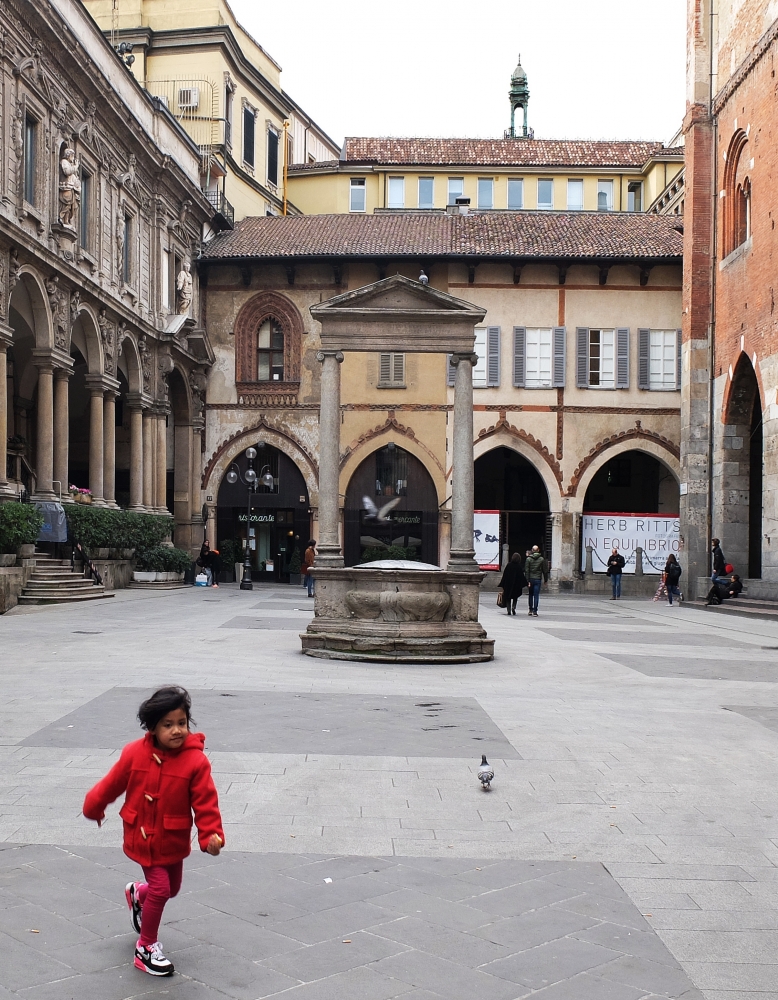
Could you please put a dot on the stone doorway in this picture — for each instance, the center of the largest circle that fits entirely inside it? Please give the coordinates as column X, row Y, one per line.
column 508, row 482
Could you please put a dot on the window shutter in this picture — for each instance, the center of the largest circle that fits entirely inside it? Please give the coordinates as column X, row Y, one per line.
column 519, row 356
column 451, row 372
column 493, row 355
column 398, row 369
column 644, row 358
column 622, row 358
column 582, row 357
column 558, row 359
column 385, row 368
column 679, row 360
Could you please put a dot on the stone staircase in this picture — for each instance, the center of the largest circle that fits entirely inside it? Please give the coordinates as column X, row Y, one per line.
column 753, row 607
column 54, row 582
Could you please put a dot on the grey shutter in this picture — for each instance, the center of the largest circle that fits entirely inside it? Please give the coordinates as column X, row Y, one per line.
column 622, row 358
column 644, row 359
column 519, row 356
column 451, row 372
column 385, row 369
column 582, row 357
column 679, row 360
column 493, row 355
column 398, row 369
column 558, row 358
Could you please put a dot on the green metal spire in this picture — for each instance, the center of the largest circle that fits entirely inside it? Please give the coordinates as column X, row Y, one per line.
column 519, row 98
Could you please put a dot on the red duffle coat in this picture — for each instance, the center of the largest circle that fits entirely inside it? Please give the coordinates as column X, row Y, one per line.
column 163, row 789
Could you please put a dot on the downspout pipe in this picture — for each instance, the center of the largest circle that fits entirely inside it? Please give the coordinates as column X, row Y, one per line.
column 714, row 268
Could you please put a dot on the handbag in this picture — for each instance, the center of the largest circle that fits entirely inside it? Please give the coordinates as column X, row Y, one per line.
column 500, row 598
column 201, row 580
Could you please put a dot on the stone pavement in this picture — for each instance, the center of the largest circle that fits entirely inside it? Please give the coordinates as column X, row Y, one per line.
column 627, row 849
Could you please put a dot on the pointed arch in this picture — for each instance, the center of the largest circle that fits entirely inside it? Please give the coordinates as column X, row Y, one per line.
column 636, row 439
column 737, row 194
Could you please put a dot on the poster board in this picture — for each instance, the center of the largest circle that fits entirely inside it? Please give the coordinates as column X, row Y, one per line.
column 486, row 538
column 657, row 534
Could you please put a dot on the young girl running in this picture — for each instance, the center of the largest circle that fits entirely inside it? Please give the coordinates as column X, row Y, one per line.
column 166, row 777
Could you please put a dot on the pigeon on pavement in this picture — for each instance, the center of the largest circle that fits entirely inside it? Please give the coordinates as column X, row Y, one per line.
column 485, row 773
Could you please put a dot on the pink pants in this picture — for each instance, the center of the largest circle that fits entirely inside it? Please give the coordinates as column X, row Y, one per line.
column 162, row 883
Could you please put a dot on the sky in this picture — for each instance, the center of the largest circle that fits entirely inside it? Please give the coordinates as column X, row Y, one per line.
column 597, row 69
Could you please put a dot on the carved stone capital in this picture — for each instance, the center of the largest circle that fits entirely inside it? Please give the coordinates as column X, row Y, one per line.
column 470, row 357
column 338, row 355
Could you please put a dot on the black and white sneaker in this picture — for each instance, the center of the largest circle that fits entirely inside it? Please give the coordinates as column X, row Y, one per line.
column 131, row 895
column 152, row 960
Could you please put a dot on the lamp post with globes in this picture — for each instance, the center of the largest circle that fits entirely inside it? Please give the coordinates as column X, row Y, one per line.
column 250, row 479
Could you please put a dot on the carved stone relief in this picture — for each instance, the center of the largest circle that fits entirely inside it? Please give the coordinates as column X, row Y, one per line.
column 197, row 383
column 69, row 188
column 58, row 303
column 145, row 362
column 184, row 289
column 108, row 337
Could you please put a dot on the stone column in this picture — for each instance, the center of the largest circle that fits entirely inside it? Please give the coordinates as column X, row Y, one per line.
column 195, row 490
column 462, row 487
column 96, row 444
column 44, row 460
column 61, row 428
column 161, row 464
column 136, row 458
column 109, row 448
column 149, row 443
column 329, row 551
column 6, row 339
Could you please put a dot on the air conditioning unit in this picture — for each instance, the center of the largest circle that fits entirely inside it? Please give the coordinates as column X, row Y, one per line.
column 164, row 100
column 189, row 97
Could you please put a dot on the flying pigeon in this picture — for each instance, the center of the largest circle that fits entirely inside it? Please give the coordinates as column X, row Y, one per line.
column 485, row 774
column 423, row 279
column 379, row 516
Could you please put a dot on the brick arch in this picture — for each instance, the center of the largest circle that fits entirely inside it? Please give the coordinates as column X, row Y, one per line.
column 267, row 305
column 654, row 444
column 738, row 192
column 503, row 426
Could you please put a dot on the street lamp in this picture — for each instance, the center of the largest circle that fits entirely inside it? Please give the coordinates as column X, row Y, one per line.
column 250, row 479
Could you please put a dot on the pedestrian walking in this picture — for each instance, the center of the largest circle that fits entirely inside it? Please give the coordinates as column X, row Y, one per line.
column 309, row 559
column 166, row 777
column 672, row 576
column 215, row 564
column 512, row 583
column 616, row 563
column 535, row 570
column 719, row 562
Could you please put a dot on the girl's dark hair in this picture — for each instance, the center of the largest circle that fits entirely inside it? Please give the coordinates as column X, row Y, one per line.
column 671, row 559
column 312, row 542
column 166, row 699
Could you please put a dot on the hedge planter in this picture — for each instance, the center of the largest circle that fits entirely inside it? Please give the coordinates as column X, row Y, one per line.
column 7, row 558
column 151, row 576
column 26, row 551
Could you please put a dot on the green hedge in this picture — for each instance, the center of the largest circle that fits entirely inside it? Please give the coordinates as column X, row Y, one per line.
column 20, row 524
column 103, row 528
column 389, row 552
column 164, row 560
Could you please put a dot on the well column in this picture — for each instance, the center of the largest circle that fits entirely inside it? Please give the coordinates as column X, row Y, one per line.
column 462, row 558
column 328, row 551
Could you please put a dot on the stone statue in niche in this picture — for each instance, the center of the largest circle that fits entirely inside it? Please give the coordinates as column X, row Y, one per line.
column 145, row 362
column 58, row 303
column 4, row 293
column 107, row 335
column 121, row 222
column 69, row 187
column 198, row 383
column 184, row 289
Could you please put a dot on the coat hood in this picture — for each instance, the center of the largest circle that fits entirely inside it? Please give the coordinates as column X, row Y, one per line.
column 194, row 741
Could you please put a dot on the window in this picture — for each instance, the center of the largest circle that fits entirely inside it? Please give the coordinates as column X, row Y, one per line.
column 426, row 192
column 396, row 193
column 659, row 359
column 391, row 371
column 736, row 206
column 248, row 136
column 575, row 196
column 635, row 196
column 228, row 99
column 272, row 156
column 743, row 212
column 485, row 192
column 602, row 360
column 456, row 189
column 357, row 202
column 545, row 193
column 539, row 357
column 604, row 196
column 391, row 472
column 86, row 206
column 516, row 193
column 30, row 157
column 127, row 251
column 487, row 346
column 270, row 352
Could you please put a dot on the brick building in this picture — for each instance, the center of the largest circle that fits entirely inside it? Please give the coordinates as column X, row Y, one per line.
column 730, row 338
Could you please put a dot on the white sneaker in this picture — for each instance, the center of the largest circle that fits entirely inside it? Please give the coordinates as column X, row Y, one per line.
column 152, row 960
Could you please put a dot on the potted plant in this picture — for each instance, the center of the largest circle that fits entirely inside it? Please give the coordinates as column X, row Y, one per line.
column 20, row 525
column 295, row 567
column 83, row 496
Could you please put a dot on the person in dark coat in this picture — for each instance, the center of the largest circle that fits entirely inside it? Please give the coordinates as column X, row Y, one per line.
column 204, row 561
column 615, row 569
column 724, row 590
column 719, row 562
column 512, row 583
column 672, row 576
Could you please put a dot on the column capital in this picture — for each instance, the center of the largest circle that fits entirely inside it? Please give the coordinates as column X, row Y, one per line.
column 99, row 384
column 6, row 336
column 61, row 374
column 137, row 401
column 461, row 356
column 322, row 355
column 51, row 357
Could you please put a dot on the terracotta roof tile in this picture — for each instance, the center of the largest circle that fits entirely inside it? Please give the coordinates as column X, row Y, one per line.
column 544, row 235
column 499, row 152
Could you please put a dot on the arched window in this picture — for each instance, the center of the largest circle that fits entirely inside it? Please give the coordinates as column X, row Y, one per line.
column 737, row 195
column 270, row 351
column 743, row 212
column 268, row 344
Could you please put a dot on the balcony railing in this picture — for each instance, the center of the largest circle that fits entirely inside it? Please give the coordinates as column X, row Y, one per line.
column 223, row 210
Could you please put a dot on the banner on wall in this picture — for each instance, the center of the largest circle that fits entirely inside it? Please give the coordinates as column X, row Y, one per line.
column 486, row 538
column 657, row 534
